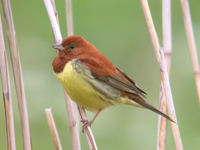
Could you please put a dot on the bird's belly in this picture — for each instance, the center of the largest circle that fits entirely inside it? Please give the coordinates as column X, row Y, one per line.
column 80, row 87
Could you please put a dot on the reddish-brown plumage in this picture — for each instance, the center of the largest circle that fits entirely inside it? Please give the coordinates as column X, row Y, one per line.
column 76, row 47
column 88, row 55
column 91, row 57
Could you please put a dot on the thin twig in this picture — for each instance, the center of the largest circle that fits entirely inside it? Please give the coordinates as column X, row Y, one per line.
column 73, row 121
column 53, row 20
column 162, row 122
column 56, row 14
column 82, row 113
column 71, row 105
column 167, row 42
column 6, row 93
column 191, row 43
column 55, row 11
column 17, row 74
column 163, row 70
column 52, row 127
column 72, row 118
column 87, row 131
column 70, row 30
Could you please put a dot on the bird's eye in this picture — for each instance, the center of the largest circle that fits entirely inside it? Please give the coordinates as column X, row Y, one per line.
column 72, row 46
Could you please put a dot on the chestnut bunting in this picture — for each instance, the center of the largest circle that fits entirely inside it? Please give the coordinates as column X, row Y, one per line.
column 92, row 81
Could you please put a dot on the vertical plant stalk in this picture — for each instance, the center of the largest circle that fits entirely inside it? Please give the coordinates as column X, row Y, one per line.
column 167, row 47
column 71, row 106
column 10, row 130
column 164, row 76
column 70, row 30
column 55, row 11
column 58, row 38
column 82, row 113
column 162, row 122
column 73, row 121
column 52, row 127
column 51, row 10
column 191, row 43
column 53, row 21
column 87, row 130
column 17, row 74
column 56, row 15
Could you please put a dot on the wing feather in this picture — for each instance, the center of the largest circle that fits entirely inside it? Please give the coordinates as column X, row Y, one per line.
column 105, row 71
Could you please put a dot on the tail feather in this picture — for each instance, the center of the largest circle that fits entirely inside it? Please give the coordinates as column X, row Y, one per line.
column 143, row 103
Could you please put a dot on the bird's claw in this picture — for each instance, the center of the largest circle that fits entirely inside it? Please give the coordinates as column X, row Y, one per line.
column 86, row 123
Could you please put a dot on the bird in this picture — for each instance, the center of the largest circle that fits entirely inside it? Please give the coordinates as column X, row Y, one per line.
column 92, row 81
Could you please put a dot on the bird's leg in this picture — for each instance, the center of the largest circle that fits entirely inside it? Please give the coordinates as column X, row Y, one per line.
column 87, row 123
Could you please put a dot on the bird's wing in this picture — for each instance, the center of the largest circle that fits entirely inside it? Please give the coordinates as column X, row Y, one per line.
column 120, row 83
column 119, row 80
column 133, row 83
column 131, row 89
column 111, row 75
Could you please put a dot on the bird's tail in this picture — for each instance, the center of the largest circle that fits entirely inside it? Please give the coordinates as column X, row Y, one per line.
column 137, row 99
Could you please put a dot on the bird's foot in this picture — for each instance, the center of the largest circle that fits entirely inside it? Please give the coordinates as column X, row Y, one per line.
column 86, row 123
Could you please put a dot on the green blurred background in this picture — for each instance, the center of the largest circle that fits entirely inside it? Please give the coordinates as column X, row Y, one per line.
column 118, row 29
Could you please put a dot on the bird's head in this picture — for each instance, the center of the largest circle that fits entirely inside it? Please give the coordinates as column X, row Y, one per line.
column 72, row 46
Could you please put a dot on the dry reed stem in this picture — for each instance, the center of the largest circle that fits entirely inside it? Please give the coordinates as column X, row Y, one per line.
column 53, row 20
column 162, row 122
column 71, row 105
column 164, row 76
column 191, row 43
column 50, row 6
column 10, row 130
column 52, row 127
column 59, row 39
column 17, row 74
column 167, row 42
column 73, row 121
column 55, row 11
column 69, row 17
column 70, row 112
column 87, row 131
column 56, row 15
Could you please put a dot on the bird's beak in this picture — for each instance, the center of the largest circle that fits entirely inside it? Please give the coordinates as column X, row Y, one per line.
column 58, row 46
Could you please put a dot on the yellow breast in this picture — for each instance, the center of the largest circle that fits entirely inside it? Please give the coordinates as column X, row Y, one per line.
column 79, row 85
column 88, row 92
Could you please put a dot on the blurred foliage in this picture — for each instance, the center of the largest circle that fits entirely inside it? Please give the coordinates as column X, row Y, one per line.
column 118, row 29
